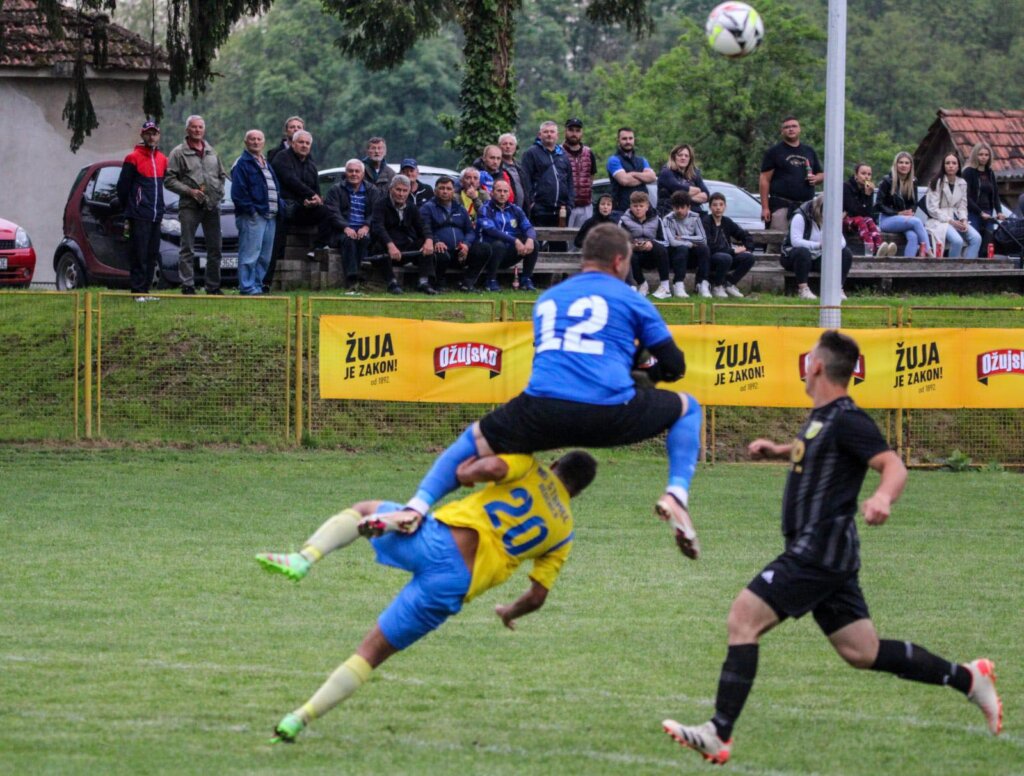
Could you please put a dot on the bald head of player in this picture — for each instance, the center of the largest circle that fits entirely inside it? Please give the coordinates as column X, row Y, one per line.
column 607, row 248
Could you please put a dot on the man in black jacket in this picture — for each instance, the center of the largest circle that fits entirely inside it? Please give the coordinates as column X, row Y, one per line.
column 350, row 205
column 547, row 180
column 398, row 234
column 731, row 249
column 300, row 190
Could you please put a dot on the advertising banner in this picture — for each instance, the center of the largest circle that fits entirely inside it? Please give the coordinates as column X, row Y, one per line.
column 395, row 359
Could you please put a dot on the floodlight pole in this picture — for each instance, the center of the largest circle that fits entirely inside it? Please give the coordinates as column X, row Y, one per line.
column 835, row 123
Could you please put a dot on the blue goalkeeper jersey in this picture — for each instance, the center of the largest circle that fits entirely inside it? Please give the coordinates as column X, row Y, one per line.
column 585, row 331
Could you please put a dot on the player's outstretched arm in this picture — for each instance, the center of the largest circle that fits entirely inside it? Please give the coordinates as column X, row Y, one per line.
column 766, row 448
column 530, row 601
column 876, row 508
column 489, row 468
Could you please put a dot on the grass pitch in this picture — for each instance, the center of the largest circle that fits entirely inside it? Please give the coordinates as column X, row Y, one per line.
column 139, row 636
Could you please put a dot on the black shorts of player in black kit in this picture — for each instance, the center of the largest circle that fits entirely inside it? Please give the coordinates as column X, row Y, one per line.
column 792, row 588
column 528, row 424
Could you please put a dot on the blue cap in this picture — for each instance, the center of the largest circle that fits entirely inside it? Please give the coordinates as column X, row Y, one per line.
column 408, row 163
column 149, row 125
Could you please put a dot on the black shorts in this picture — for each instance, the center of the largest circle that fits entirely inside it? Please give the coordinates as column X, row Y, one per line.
column 792, row 588
column 528, row 424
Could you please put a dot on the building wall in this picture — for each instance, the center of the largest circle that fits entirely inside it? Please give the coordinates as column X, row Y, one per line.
column 37, row 166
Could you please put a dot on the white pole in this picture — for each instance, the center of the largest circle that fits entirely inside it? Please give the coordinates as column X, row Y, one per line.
column 835, row 122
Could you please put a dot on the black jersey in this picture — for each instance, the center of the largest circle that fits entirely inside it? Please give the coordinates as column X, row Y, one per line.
column 819, row 505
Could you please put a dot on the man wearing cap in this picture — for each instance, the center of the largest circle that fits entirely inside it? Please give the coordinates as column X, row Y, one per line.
column 196, row 175
column 584, row 165
column 421, row 193
column 140, row 190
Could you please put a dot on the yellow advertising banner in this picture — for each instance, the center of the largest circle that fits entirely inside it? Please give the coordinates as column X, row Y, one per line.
column 394, row 359
column 399, row 359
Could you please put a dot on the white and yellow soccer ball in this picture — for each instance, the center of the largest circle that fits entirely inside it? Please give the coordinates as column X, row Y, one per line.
column 734, row 29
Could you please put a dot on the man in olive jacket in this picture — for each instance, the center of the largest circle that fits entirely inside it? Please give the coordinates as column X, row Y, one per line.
column 196, row 175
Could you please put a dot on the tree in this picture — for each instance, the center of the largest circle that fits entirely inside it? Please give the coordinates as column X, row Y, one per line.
column 381, row 32
column 728, row 109
column 286, row 63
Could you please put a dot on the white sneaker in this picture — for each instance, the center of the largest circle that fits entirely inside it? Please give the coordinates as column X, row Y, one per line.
column 679, row 290
column 702, row 738
column 731, row 290
column 806, row 293
column 719, row 292
column 842, row 294
column 704, row 289
column 662, row 291
column 677, row 516
column 893, row 248
column 983, row 693
column 643, row 289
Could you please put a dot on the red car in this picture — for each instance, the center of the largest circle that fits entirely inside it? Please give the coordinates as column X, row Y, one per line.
column 17, row 256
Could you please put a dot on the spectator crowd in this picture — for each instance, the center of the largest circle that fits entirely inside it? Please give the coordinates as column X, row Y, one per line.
column 486, row 219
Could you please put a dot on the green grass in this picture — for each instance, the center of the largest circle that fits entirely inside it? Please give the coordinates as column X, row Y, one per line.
column 139, row 636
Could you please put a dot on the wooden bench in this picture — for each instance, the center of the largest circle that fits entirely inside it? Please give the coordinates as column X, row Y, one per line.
column 767, row 274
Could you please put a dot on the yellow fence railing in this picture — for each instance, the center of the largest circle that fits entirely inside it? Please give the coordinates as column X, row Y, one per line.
column 246, row 370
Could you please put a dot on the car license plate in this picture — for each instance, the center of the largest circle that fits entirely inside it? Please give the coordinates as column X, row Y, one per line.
column 3, row 262
column 229, row 262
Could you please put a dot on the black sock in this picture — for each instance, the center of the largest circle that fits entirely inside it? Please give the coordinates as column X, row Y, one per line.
column 734, row 683
column 917, row 664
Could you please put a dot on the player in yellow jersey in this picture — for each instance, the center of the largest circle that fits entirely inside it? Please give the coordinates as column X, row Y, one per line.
column 454, row 554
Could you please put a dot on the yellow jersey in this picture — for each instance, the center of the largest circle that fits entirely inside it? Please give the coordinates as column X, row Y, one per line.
column 524, row 515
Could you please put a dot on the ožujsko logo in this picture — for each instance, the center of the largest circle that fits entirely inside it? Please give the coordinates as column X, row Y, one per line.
column 859, row 372
column 1004, row 361
column 467, row 354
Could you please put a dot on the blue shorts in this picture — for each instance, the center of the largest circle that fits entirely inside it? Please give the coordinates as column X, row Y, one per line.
column 440, row 579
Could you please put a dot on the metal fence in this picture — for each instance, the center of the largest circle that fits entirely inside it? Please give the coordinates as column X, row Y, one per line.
column 40, row 365
column 364, row 423
column 245, row 370
column 193, row 369
column 986, row 436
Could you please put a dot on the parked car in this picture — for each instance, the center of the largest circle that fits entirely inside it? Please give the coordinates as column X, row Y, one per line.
column 428, row 175
column 740, row 204
column 17, row 256
column 95, row 251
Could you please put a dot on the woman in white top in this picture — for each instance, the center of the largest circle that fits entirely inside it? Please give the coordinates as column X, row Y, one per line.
column 801, row 250
column 946, row 203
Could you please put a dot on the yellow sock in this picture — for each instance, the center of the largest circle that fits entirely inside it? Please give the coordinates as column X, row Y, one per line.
column 337, row 532
column 346, row 679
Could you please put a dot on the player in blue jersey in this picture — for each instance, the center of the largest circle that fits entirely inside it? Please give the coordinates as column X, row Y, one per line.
column 582, row 392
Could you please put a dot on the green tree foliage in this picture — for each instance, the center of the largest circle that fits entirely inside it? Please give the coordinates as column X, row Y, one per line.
column 380, row 33
column 729, row 110
column 908, row 59
column 286, row 64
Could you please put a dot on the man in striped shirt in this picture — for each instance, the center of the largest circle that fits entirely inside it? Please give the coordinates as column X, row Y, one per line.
column 818, row 570
column 254, row 191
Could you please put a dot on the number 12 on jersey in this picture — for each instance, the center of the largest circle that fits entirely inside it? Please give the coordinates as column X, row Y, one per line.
column 593, row 312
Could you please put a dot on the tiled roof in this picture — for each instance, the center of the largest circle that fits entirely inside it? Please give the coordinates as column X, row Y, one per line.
column 27, row 41
column 1001, row 129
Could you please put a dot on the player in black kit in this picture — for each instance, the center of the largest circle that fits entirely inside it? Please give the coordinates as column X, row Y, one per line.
column 817, row 572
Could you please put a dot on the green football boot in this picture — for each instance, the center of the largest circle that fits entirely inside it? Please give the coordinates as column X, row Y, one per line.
column 292, row 564
column 287, row 729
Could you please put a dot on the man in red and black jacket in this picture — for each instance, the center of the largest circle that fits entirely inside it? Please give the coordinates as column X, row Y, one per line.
column 140, row 189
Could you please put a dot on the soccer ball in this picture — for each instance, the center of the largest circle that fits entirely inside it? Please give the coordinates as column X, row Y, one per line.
column 734, row 29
